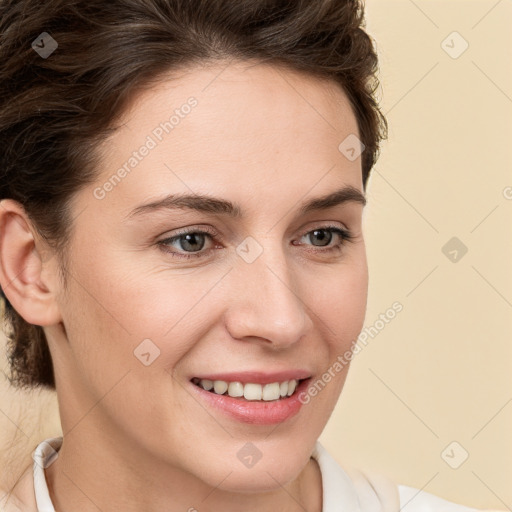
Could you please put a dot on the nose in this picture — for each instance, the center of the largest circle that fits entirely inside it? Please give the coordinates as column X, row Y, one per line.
column 267, row 302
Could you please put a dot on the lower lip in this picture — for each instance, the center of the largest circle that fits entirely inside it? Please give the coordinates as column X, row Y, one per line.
column 255, row 411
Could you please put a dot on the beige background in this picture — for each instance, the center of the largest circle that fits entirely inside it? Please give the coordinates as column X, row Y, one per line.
column 440, row 371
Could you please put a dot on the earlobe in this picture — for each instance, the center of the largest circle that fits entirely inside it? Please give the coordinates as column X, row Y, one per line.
column 22, row 266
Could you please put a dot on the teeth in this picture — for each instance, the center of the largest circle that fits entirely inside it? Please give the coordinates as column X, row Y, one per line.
column 235, row 389
column 207, row 384
column 271, row 391
column 220, row 387
column 250, row 391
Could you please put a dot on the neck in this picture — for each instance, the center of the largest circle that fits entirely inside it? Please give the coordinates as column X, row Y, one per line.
column 101, row 475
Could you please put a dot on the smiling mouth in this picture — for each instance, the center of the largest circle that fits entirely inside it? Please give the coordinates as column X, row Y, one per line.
column 250, row 391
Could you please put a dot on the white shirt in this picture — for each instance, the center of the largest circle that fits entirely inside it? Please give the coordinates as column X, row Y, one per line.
column 344, row 490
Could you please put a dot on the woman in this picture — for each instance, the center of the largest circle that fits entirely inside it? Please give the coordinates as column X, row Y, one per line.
column 181, row 249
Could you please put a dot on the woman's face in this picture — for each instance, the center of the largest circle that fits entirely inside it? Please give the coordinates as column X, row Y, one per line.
column 268, row 288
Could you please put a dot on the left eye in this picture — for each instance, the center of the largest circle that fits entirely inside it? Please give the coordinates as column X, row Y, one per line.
column 193, row 242
column 320, row 234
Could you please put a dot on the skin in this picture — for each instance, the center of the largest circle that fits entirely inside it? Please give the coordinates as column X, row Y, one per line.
column 135, row 439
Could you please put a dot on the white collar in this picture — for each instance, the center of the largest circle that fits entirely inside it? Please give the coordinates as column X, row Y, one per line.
column 43, row 456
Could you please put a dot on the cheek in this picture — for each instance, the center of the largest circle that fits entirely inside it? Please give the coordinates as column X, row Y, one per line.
column 126, row 318
column 128, row 332
column 129, row 317
column 340, row 304
column 134, row 313
column 339, row 311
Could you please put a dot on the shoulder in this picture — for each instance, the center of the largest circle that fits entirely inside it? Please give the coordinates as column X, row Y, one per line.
column 9, row 502
column 410, row 499
column 21, row 498
column 363, row 490
column 416, row 500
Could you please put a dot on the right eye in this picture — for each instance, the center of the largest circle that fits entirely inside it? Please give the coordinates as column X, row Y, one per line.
column 191, row 239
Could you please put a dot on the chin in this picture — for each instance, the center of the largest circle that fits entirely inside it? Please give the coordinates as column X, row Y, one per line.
column 260, row 478
column 255, row 467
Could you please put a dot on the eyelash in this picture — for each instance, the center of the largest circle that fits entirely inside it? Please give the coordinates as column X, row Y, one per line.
column 345, row 235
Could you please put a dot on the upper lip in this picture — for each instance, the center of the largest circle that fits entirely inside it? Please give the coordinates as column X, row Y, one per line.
column 257, row 377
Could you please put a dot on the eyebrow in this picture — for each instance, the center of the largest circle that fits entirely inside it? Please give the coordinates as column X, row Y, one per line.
column 209, row 204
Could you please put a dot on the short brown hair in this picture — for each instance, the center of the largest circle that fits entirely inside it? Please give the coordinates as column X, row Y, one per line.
column 55, row 109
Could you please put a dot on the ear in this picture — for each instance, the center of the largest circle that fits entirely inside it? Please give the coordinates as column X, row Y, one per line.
column 23, row 268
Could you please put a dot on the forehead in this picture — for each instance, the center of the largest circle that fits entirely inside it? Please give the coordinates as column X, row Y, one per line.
column 281, row 88
column 239, row 98
column 251, row 123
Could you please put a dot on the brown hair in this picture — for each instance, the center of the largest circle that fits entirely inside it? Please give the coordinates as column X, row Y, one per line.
column 55, row 109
